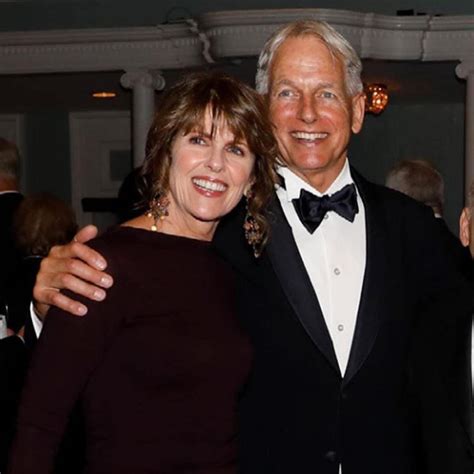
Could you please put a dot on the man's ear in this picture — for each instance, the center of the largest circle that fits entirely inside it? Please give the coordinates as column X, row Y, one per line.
column 358, row 112
column 464, row 227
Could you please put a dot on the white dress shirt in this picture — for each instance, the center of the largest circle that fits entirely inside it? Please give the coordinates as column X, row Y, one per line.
column 334, row 257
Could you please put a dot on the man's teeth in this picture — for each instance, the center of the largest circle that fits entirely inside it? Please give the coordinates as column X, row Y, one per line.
column 209, row 185
column 309, row 136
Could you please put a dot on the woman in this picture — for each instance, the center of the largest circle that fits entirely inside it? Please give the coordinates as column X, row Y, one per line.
column 157, row 367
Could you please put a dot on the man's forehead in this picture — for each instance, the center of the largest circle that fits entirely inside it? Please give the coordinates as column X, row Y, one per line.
column 280, row 70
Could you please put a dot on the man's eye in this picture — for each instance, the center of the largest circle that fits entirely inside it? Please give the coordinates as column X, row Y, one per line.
column 197, row 140
column 327, row 95
column 286, row 93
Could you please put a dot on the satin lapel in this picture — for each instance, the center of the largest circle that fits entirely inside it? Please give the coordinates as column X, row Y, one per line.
column 371, row 301
column 291, row 272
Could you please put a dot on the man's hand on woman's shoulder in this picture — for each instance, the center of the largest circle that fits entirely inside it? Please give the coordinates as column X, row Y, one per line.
column 75, row 267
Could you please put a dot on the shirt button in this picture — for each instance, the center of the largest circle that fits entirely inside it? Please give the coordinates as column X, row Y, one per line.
column 340, row 327
column 337, row 271
column 326, row 216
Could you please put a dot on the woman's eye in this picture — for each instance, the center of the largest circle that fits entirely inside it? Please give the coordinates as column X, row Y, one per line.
column 236, row 150
column 197, row 140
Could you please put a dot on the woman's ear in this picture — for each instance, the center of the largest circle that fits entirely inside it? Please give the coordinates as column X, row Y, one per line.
column 248, row 187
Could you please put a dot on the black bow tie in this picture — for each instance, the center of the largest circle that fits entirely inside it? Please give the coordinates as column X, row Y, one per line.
column 311, row 209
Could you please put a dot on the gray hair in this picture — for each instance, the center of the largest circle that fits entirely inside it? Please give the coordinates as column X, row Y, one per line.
column 9, row 159
column 335, row 42
column 420, row 180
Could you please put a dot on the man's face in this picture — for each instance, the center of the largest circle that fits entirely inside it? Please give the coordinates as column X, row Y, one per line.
column 311, row 110
column 466, row 229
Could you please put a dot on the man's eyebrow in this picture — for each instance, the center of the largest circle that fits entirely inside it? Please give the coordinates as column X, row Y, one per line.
column 324, row 85
column 284, row 82
column 288, row 82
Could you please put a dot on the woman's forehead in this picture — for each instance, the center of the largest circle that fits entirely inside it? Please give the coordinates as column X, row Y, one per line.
column 216, row 122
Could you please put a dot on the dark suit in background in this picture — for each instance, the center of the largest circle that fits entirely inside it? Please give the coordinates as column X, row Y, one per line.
column 298, row 415
column 8, row 255
column 12, row 350
column 13, row 361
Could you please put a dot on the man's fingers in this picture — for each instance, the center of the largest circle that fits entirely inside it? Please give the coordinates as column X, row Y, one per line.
column 86, row 233
column 53, row 297
column 77, row 268
column 53, row 274
column 75, row 250
column 67, row 280
column 74, row 267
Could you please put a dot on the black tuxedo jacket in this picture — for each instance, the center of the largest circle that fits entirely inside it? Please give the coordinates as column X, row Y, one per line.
column 297, row 413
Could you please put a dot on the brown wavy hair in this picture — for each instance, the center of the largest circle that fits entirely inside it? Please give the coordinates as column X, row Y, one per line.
column 184, row 107
column 41, row 221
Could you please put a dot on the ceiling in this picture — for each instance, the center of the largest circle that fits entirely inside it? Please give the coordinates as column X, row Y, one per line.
column 408, row 83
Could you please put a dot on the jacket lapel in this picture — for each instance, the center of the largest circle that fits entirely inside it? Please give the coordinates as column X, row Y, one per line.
column 291, row 272
column 371, row 300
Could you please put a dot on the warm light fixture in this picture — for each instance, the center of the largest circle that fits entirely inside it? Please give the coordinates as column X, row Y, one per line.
column 104, row 95
column 376, row 98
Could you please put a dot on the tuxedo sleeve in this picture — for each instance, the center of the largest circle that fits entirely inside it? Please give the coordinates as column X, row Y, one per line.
column 441, row 362
column 441, row 287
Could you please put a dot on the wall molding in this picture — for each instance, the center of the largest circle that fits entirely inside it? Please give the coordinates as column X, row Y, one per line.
column 164, row 47
column 422, row 38
column 232, row 34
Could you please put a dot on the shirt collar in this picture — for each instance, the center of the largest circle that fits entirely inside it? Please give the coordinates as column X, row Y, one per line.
column 12, row 191
column 294, row 184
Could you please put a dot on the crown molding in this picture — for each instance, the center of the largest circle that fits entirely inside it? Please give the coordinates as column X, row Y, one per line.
column 232, row 34
column 424, row 38
column 162, row 47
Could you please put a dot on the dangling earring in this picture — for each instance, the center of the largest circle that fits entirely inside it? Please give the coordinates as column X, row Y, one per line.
column 252, row 230
column 158, row 211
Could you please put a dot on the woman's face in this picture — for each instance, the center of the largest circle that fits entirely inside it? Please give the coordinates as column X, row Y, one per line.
column 207, row 178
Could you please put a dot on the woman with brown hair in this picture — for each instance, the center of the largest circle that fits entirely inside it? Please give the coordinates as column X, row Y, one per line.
column 157, row 367
column 41, row 221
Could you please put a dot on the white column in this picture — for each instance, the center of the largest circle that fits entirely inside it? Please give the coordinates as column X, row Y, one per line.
column 465, row 70
column 143, row 85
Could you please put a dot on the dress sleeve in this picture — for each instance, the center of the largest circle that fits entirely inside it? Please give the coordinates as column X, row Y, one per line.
column 67, row 352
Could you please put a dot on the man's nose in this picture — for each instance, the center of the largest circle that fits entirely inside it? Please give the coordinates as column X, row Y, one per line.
column 308, row 110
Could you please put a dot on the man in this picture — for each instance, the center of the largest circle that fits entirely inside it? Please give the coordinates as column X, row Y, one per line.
column 331, row 310
column 420, row 180
column 12, row 351
column 10, row 198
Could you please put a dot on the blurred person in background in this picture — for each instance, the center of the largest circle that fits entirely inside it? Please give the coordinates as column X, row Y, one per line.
column 420, row 180
column 10, row 198
column 41, row 221
column 12, row 351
